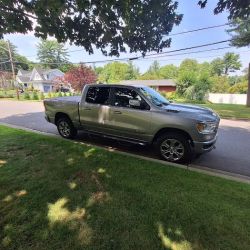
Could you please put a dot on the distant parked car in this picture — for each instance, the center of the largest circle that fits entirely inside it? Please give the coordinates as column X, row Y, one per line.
column 137, row 114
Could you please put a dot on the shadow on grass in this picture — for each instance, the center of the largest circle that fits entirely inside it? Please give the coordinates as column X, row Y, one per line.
column 69, row 196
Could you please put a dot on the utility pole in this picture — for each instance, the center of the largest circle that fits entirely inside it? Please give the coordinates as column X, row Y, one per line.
column 12, row 67
column 248, row 90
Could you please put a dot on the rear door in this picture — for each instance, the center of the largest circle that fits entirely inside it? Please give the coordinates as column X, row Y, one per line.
column 95, row 109
column 126, row 120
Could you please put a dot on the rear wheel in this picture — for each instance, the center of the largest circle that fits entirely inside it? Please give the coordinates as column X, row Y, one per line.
column 174, row 147
column 65, row 128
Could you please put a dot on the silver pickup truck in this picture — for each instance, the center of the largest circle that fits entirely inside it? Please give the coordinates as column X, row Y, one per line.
column 137, row 114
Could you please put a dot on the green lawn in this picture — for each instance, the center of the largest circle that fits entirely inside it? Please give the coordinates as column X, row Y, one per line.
column 57, row 194
column 233, row 111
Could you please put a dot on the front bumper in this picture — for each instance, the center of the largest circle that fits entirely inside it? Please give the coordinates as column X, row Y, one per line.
column 203, row 147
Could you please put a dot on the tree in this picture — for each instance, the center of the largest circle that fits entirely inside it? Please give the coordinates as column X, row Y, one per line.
column 52, row 54
column 78, row 77
column 236, row 8
column 220, row 84
column 113, row 72
column 21, row 62
column 217, row 66
column 240, row 32
column 189, row 65
column 110, row 26
column 169, row 72
column 132, row 72
column 152, row 73
column 231, row 62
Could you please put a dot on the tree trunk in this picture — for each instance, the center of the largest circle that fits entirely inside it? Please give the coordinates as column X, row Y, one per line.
column 248, row 90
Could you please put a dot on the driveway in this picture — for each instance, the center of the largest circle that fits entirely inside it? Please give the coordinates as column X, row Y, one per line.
column 232, row 151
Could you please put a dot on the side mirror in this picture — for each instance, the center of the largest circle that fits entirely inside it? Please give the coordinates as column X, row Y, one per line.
column 135, row 103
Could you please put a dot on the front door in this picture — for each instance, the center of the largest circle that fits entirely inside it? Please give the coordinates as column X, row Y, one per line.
column 126, row 120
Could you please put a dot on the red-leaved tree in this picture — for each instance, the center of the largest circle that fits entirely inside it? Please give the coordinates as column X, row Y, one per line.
column 80, row 76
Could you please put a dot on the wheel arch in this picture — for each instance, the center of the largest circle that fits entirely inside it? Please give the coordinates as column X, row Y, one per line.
column 172, row 130
column 59, row 115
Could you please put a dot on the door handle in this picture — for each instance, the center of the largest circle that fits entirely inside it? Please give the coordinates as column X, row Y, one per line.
column 87, row 108
column 117, row 112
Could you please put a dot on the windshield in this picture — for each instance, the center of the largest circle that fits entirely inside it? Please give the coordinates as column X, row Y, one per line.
column 154, row 96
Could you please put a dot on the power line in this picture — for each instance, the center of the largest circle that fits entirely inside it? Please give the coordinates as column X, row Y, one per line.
column 199, row 29
column 192, row 52
column 149, row 56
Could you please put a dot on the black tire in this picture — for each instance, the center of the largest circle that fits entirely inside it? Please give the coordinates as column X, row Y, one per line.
column 66, row 128
column 174, row 147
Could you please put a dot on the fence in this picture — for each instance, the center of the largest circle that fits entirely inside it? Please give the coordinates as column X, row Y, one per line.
column 227, row 98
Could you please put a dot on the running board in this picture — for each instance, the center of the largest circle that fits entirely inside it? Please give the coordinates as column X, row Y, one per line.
column 116, row 138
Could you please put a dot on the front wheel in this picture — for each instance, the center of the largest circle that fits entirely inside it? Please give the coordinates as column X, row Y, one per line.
column 65, row 128
column 174, row 147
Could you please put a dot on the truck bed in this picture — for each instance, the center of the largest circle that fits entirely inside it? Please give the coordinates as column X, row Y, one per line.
column 68, row 105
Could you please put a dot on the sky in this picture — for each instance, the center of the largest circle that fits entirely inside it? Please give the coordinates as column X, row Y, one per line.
column 194, row 18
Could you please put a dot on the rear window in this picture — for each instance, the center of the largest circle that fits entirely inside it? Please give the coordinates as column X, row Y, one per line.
column 98, row 95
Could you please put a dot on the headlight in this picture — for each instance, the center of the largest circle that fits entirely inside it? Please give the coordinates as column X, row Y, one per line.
column 206, row 127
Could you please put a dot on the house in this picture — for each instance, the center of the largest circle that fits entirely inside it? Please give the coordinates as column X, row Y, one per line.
column 164, row 85
column 39, row 79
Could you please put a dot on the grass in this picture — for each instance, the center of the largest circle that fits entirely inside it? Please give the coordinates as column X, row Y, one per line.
column 58, row 194
column 227, row 111
column 233, row 111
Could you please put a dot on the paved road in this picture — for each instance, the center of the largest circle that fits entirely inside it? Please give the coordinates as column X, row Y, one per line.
column 232, row 151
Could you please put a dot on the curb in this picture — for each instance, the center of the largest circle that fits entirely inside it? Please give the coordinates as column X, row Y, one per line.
column 191, row 167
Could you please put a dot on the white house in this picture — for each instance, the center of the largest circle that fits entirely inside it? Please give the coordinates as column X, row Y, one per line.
column 40, row 79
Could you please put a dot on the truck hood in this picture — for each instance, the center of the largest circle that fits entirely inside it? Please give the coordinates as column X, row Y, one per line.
column 192, row 111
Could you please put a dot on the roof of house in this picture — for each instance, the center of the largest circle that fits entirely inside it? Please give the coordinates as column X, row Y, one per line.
column 151, row 83
column 25, row 75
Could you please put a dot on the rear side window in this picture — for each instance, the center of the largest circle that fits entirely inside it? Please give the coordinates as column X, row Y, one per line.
column 98, row 95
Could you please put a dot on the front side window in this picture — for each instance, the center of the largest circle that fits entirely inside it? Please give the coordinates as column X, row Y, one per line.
column 122, row 97
column 154, row 97
column 98, row 95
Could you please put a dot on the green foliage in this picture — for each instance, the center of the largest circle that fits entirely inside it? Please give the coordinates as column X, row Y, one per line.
column 235, row 8
column 239, row 88
column 67, row 67
column 217, row 66
column 21, row 62
column 60, row 94
column 240, row 32
column 113, row 72
column 229, row 63
column 220, row 84
column 41, row 97
column 193, row 80
column 26, row 96
column 111, row 26
column 34, row 96
column 51, row 54
column 168, row 72
column 132, row 72
column 185, row 80
column 49, row 95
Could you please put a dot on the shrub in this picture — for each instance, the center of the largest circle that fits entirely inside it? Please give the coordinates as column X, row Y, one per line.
column 35, row 96
column 60, row 94
column 41, row 96
column 26, row 96
column 49, row 95
column 239, row 88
